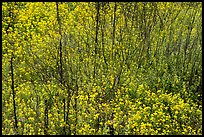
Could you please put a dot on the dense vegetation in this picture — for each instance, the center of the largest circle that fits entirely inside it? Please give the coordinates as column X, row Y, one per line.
column 101, row 68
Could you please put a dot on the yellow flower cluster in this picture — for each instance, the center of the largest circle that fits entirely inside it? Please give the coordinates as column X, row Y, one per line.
column 106, row 84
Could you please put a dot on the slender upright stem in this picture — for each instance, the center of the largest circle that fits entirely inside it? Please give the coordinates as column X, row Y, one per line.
column 14, row 94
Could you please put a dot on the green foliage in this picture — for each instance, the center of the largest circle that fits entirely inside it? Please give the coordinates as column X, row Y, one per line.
column 135, row 67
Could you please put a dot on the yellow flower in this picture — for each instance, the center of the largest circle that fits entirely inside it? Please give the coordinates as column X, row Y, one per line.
column 115, row 125
column 149, row 125
column 19, row 124
column 96, row 116
column 167, row 126
column 189, row 127
column 108, row 122
column 31, row 118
